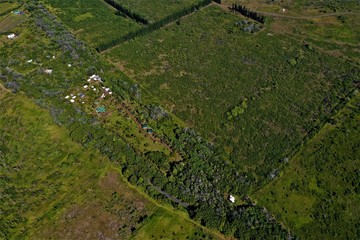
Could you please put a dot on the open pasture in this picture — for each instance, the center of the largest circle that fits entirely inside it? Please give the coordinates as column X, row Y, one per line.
column 93, row 21
column 257, row 95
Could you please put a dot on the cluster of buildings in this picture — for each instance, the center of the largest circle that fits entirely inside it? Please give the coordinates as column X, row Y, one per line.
column 105, row 91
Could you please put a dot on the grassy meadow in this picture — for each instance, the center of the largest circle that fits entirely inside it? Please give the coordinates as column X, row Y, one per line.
column 318, row 194
column 205, row 67
column 93, row 21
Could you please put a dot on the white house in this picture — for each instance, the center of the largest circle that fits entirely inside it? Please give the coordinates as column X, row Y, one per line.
column 232, row 198
column 11, row 36
column 48, row 71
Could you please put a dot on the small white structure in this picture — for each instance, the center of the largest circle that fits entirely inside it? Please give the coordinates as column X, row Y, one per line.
column 53, row 57
column 29, row 61
column 48, row 71
column 103, row 95
column 11, row 36
column 94, row 89
column 95, row 77
column 86, row 86
column 107, row 89
column 73, row 97
column 283, row 10
column 67, row 97
column 72, row 100
column 232, row 198
column 69, row 65
column 110, row 93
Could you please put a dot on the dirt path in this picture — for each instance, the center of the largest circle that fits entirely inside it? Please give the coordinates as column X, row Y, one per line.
column 171, row 197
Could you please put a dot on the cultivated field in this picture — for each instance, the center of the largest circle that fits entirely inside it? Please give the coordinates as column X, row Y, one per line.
column 258, row 95
column 93, row 21
column 318, row 195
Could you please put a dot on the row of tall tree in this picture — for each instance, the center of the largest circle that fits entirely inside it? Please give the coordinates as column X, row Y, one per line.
column 126, row 12
column 248, row 13
column 153, row 26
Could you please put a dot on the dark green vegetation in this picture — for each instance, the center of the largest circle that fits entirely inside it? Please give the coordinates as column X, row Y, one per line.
column 151, row 27
column 67, row 184
column 156, row 10
column 237, row 104
column 318, row 195
column 202, row 69
column 90, row 20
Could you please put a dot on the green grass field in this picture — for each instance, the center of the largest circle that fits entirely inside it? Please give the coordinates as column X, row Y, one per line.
column 318, row 194
column 10, row 21
column 52, row 187
column 93, row 21
column 45, row 175
column 156, row 10
column 163, row 225
column 7, row 6
column 204, row 67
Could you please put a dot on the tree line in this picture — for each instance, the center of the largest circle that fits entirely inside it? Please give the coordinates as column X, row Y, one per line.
column 248, row 13
column 126, row 12
column 153, row 26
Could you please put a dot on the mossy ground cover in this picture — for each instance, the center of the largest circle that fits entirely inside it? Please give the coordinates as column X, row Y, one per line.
column 204, row 67
column 318, row 193
column 93, row 21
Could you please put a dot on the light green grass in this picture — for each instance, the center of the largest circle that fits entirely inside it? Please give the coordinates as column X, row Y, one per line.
column 163, row 225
